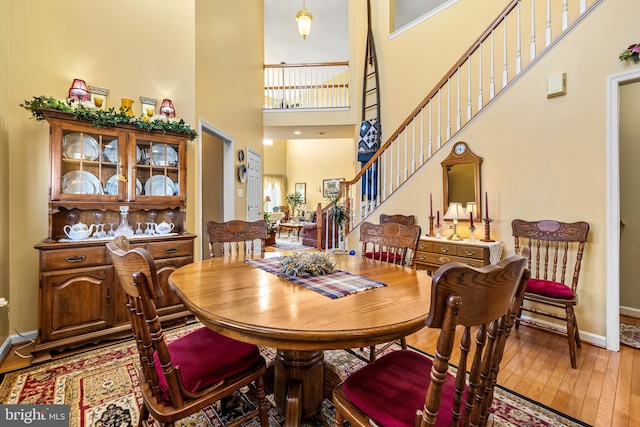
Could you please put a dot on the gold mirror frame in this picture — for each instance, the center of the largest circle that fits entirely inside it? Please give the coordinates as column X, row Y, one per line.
column 461, row 177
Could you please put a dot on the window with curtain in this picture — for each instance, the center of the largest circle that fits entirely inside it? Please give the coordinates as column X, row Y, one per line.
column 275, row 187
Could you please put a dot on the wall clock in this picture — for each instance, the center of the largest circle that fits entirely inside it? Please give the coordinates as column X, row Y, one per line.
column 460, row 148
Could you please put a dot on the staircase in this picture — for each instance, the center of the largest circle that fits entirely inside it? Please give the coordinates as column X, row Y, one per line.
column 512, row 44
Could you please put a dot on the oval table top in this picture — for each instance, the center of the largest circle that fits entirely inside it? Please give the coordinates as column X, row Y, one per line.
column 252, row 305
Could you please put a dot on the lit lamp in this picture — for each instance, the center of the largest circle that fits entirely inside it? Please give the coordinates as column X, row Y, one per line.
column 78, row 91
column 455, row 213
column 166, row 108
column 304, row 19
column 267, row 199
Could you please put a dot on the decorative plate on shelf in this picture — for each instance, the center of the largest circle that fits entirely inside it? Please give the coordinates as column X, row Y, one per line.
column 81, row 182
column 163, row 155
column 241, row 155
column 111, row 187
column 80, row 147
column 159, row 185
column 110, row 152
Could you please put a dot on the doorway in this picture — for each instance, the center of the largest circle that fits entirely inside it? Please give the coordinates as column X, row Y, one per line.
column 613, row 205
column 215, row 181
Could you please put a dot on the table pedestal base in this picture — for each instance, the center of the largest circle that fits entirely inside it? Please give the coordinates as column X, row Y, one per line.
column 301, row 380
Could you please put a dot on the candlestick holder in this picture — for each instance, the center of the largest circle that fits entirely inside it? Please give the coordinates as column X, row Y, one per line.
column 487, row 230
column 472, row 237
column 438, row 236
column 431, row 217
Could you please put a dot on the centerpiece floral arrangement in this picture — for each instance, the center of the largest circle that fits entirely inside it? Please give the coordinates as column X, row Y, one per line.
column 307, row 264
column 100, row 118
column 631, row 53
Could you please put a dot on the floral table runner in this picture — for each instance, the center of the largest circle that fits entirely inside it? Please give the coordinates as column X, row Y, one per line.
column 335, row 285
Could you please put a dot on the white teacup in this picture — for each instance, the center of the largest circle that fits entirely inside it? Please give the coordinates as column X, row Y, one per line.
column 164, row 227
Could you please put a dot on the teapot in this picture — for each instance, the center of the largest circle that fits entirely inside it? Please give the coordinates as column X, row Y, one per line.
column 78, row 231
column 164, row 227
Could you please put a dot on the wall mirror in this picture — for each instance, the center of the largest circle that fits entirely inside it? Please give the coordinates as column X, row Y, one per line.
column 461, row 177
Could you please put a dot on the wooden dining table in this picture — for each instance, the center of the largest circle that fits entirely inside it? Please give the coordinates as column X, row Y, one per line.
column 252, row 305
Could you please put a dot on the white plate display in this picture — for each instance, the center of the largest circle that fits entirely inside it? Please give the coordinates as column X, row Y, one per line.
column 111, row 152
column 81, row 182
column 111, row 187
column 242, row 173
column 159, row 185
column 86, row 148
column 163, row 155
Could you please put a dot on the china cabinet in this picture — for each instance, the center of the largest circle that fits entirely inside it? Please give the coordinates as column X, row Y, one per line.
column 103, row 182
column 476, row 253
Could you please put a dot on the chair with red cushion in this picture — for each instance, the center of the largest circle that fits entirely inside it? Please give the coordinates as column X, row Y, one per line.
column 406, row 388
column 192, row 372
column 554, row 246
column 399, row 218
column 391, row 242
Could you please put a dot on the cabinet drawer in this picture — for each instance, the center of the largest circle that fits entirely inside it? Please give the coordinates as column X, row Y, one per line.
column 425, row 246
column 470, row 252
column 434, row 259
column 447, row 249
column 72, row 258
column 170, row 249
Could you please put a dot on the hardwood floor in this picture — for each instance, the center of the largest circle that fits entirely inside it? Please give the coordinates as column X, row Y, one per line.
column 604, row 390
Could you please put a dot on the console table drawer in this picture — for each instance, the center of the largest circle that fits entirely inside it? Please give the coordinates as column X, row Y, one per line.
column 476, row 254
column 471, row 252
column 425, row 246
column 433, row 259
column 446, row 249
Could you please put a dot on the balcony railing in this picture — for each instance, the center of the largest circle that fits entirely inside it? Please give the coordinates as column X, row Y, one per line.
column 306, row 86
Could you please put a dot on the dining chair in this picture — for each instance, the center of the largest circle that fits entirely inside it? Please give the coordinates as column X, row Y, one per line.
column 409, row 388
column 236, row 236
column 554, row 246
column 192, row 372
column 391, row 242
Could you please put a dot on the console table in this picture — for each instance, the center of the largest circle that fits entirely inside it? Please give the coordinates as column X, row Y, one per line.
column 474, row 253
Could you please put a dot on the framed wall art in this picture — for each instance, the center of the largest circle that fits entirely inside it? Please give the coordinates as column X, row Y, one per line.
column 331, row 187
column 301, row 187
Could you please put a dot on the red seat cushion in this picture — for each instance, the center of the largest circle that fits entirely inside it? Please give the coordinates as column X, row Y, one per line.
column 383, row 256
column 393, row 387
column 206, row 357
column 547, row 288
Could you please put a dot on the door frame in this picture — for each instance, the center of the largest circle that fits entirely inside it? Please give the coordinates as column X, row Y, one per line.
column 228, row 175
column 613, row 207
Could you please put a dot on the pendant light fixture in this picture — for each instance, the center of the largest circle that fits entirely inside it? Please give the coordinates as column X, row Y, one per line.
column 304, row 19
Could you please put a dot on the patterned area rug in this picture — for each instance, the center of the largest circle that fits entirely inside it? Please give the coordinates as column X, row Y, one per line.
column 290, row 243
column 630, row 335
column 103, row 390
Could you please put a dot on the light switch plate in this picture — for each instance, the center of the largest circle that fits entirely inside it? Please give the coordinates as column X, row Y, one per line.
column 240, row 192
column 557, row 85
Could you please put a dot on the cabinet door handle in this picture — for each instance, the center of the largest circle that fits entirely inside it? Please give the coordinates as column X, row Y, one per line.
column 171, row 250
column 469, row 253
column 444, row 250
column 108, row 297
column 75, row 258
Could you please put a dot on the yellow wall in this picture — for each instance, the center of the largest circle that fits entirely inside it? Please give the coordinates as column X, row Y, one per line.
column 546, row 158
column 312, row 160
column 275, row 158
column 4, row 166
column 141, row 48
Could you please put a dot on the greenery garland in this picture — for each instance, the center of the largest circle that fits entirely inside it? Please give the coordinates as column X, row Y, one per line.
column 307, row 264
column 106, row 118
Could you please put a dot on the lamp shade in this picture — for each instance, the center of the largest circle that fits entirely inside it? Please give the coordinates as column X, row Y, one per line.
column 267, row 199
column 304, row 19
column 455, row 211
column 78, row 91
column 166, row 108
column 472, row 208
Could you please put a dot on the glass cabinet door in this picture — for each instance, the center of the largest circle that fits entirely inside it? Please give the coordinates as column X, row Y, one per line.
column 158, row 169
column 92, row 164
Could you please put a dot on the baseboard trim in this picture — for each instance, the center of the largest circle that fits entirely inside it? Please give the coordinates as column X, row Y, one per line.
column 15, row 339
column 630, row 311
column 597, row 340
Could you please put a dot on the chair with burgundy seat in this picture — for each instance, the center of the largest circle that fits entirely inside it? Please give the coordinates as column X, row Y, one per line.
column 399, row 218
column 390, row 242
column 236, row 236
column 192, row 372
column 406, row 388
column 554, row 246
